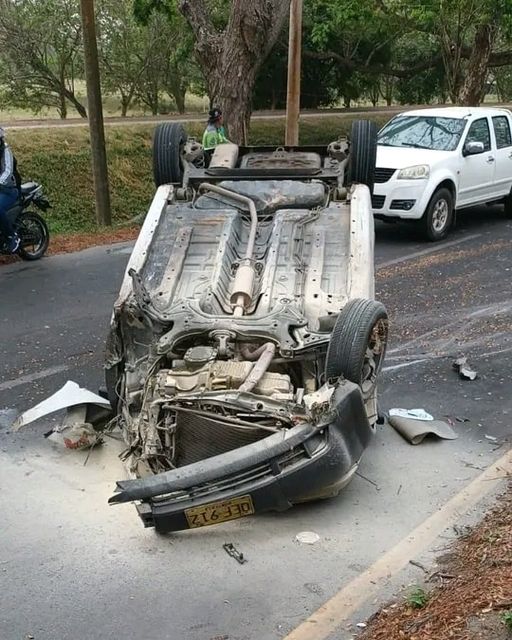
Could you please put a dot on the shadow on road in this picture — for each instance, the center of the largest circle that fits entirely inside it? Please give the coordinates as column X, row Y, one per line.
column 475, row 220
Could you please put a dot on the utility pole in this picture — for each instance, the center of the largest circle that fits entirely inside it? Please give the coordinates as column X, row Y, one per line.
column 294, row 60
column 96, row 129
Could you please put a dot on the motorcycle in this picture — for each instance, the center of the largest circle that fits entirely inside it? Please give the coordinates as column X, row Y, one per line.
column 29, row 225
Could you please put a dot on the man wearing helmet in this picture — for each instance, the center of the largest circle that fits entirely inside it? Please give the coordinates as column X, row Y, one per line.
column 9, row 192
column 214, row 133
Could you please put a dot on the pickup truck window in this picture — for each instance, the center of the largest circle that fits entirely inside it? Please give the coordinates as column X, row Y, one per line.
column 479, row 132
column 422, row 132
column 502, row 131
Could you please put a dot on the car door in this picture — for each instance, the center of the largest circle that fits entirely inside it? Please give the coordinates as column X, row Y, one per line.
column 476, row 182
column 503, row 165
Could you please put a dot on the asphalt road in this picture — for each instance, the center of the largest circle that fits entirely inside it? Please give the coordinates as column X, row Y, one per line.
column 73, row 568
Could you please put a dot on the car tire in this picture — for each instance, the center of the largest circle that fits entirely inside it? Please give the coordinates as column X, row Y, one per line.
column 357, row 346
column 508, row 206
column 438, row 217
column 363, row 153
column 168, row 141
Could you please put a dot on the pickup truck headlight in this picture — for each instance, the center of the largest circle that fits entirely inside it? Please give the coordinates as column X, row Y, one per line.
column 418, row 172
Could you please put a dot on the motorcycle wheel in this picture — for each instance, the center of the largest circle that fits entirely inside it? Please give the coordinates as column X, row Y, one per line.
column 34, row 236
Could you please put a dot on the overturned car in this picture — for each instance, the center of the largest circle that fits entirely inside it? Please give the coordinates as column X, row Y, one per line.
column 246, row 343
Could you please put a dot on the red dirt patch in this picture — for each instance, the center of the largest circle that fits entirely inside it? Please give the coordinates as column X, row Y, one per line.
column 79, row 241
column 70, row 243
column 476, row 590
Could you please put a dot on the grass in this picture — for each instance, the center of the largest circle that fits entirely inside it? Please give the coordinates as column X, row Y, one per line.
column 417, row 599
column 60, row 160
column 506, row 618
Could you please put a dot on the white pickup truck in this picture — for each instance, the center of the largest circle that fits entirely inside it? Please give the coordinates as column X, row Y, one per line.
column 432, row 162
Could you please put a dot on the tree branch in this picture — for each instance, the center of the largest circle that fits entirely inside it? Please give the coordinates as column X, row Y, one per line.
column 197, row 15
column 354, row 65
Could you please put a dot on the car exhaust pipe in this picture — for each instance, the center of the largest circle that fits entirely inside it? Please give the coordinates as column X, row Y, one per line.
column 260, row 367
column 243, row 285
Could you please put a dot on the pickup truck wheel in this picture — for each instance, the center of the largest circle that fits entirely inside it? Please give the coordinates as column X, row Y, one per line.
column 363, row 153
column 168, row 142
column 358, row 344
column 438, row 217
column 508, row 205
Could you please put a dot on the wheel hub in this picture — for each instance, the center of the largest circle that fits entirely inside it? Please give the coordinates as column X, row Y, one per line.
column 440, row 215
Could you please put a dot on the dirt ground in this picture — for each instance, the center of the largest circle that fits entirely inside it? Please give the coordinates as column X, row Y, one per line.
column 68, row 243
column 468, row 596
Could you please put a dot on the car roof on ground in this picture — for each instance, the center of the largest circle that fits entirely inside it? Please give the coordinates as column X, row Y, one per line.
column 456, row 112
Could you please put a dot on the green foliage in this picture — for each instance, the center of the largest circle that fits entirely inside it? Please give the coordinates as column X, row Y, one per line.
column 40, row 53
column 506, row 618
column 417, row 599
column 503, row 82
column 426, row 86
column 168, row 52
column 144, row 9
column 60, row 160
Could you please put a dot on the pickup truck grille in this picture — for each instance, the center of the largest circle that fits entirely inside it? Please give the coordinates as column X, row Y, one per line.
column 382, row 174
column 378, row 201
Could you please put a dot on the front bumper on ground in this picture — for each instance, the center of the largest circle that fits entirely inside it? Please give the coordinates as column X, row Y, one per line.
column 304, row 463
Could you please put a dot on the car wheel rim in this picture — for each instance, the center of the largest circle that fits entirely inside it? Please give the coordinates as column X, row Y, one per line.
column 440, row 215
column 374, row 356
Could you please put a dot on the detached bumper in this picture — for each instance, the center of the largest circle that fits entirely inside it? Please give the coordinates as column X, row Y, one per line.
column 304, row 463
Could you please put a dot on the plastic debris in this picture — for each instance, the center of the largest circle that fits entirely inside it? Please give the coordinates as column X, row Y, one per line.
column 413, row 414
column 416, row 424
column 70, row 395
column 75, row 432
column 307, row 537
column 232, row 551
column 319, row 398
column 464, row 370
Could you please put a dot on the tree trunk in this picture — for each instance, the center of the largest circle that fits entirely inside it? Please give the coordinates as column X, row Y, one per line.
column 69, row 95
column 473, row 90
column 179, row 98
column 81, row 110
column 63, row 107
column 232, row 92
column 273, row 101
column 230, row 59
column 387, row 92
column 125, row 103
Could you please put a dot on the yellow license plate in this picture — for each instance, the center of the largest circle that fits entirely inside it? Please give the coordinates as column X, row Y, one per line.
column 216, row 512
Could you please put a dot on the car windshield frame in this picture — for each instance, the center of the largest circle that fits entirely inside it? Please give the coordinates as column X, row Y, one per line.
column 419, row 132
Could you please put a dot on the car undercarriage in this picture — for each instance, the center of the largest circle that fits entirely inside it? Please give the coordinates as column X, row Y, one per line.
column 246, row 343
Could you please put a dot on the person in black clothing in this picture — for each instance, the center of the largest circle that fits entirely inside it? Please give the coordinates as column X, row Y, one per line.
column 10, row 184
